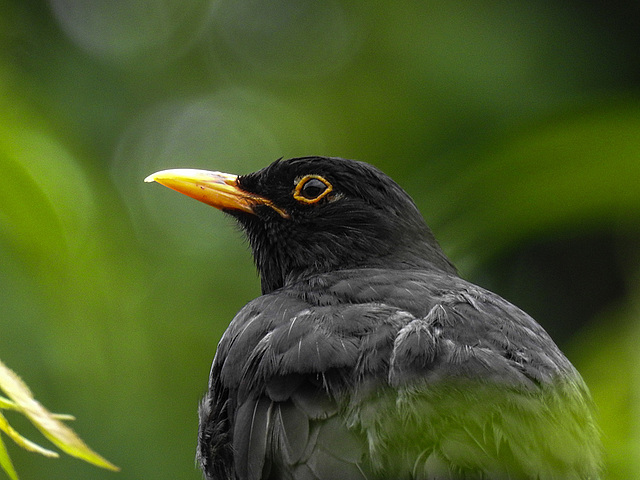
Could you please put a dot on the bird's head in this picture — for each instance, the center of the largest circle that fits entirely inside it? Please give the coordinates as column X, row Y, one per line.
column 316, row 214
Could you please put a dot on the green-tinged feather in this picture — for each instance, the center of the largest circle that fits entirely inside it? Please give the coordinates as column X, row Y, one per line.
column 465, row 429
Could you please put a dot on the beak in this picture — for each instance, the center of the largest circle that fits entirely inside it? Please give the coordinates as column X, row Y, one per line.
column 220, row 190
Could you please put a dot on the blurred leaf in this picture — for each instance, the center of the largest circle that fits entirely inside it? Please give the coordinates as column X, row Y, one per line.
column 46, row 202
column 6, row 404
column 57, row 432
column 5, row 462
column 23, row 442
column 607, row 356
column 581, row 169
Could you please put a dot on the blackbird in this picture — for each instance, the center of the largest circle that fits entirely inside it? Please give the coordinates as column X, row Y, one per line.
column 367, row 356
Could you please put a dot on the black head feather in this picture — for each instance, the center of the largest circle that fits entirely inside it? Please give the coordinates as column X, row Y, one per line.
column 366, row 220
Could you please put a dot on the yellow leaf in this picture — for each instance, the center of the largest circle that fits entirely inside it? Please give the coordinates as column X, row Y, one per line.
column 5, row 462
column 55, row 431
column 7, row 404
column 23, row 442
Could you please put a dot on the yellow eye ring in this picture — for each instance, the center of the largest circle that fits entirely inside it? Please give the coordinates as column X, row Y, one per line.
column 313, row 192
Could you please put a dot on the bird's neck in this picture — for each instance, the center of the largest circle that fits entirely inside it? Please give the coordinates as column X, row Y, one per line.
column 277, row 269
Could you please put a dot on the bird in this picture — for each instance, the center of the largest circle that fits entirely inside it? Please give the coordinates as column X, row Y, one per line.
column 367, row 356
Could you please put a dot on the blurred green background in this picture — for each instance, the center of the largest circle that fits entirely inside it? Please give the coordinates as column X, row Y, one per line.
column 514, row 125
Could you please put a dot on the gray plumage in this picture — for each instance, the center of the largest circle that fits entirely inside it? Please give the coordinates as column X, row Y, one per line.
column 367, row 356
column 417, row 375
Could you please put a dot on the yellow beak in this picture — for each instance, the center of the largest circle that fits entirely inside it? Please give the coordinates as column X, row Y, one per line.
column 220, row 190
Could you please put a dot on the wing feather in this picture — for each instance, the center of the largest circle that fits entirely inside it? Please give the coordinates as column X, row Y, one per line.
column 417, row 376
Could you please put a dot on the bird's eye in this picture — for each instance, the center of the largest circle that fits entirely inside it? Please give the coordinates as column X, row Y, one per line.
column 311, row 189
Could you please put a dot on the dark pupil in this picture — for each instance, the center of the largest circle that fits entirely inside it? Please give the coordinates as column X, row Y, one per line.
column 313, row 188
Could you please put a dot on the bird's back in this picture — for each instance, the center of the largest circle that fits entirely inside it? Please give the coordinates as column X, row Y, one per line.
column 393, row 373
